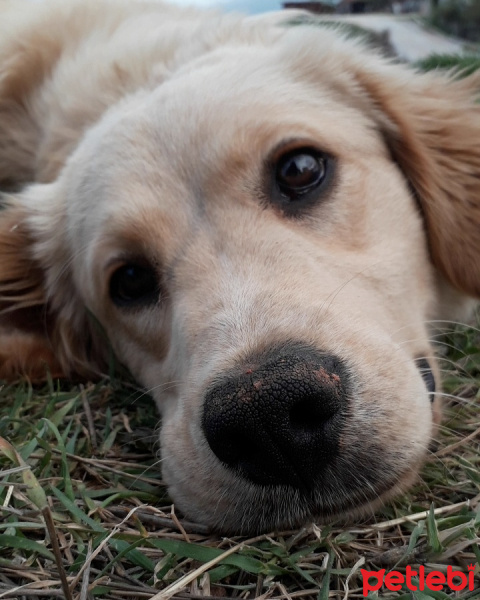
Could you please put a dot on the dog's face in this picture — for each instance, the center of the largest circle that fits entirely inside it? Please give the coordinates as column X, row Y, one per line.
column 258, row 260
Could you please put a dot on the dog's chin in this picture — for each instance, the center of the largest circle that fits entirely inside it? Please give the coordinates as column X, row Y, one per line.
column 251, row 509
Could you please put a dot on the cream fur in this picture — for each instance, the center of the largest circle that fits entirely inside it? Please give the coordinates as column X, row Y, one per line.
column 143, row 130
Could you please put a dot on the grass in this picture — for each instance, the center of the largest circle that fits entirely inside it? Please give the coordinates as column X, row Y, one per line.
column 465, row 65
column 81, row 501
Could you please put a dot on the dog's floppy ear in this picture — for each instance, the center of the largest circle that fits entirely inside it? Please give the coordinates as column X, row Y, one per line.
column 23, row 346
column 43, row 324
column 27, row 53
column 432, row 126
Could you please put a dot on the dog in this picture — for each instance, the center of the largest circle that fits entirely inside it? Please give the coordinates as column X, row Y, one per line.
column 260, row 221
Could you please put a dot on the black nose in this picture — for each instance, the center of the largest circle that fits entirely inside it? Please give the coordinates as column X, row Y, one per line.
column 278, row 419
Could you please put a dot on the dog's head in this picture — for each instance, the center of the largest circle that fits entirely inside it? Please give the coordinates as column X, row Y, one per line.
column 263, row 239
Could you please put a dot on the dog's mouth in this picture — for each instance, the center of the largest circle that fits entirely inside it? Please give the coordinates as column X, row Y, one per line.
column 344, row 490
column 283, row 428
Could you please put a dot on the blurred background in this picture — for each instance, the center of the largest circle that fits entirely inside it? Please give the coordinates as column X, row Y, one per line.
column 462, row 17
column 410, row 29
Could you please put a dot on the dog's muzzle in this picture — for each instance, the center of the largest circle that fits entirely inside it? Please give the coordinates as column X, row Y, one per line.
column 278, row 419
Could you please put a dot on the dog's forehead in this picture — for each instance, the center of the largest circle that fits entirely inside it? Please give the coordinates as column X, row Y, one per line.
column 207, row 130
column 233, row 104
column 251, row 93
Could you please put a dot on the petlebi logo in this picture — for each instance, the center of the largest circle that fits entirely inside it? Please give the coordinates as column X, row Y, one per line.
column 417, row 579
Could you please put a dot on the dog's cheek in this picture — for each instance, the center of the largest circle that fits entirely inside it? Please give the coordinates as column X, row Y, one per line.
column 390, row 411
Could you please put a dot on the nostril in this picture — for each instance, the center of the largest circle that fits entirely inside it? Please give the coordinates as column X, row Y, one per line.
column 236, row 448
column 250, row 460
column 230, row 449
column 246, row 455
column 307, row 415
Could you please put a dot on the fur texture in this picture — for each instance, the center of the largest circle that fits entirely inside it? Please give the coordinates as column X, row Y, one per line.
column 139, row 133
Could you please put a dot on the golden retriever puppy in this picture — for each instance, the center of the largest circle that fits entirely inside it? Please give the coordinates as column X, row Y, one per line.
column 260, row 221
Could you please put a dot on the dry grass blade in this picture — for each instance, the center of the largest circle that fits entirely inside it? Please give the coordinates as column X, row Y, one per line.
column 420, row 515
column 86, row 574
column 182, row 583
column 47, row 515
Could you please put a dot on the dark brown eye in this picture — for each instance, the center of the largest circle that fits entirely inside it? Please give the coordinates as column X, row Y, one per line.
column 427, row 376
column 134, row 284
column 300, row 171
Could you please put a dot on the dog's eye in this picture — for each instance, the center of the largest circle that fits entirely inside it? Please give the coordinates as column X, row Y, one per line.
column 134, row 284
column 427, row 375
column 300, row 171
